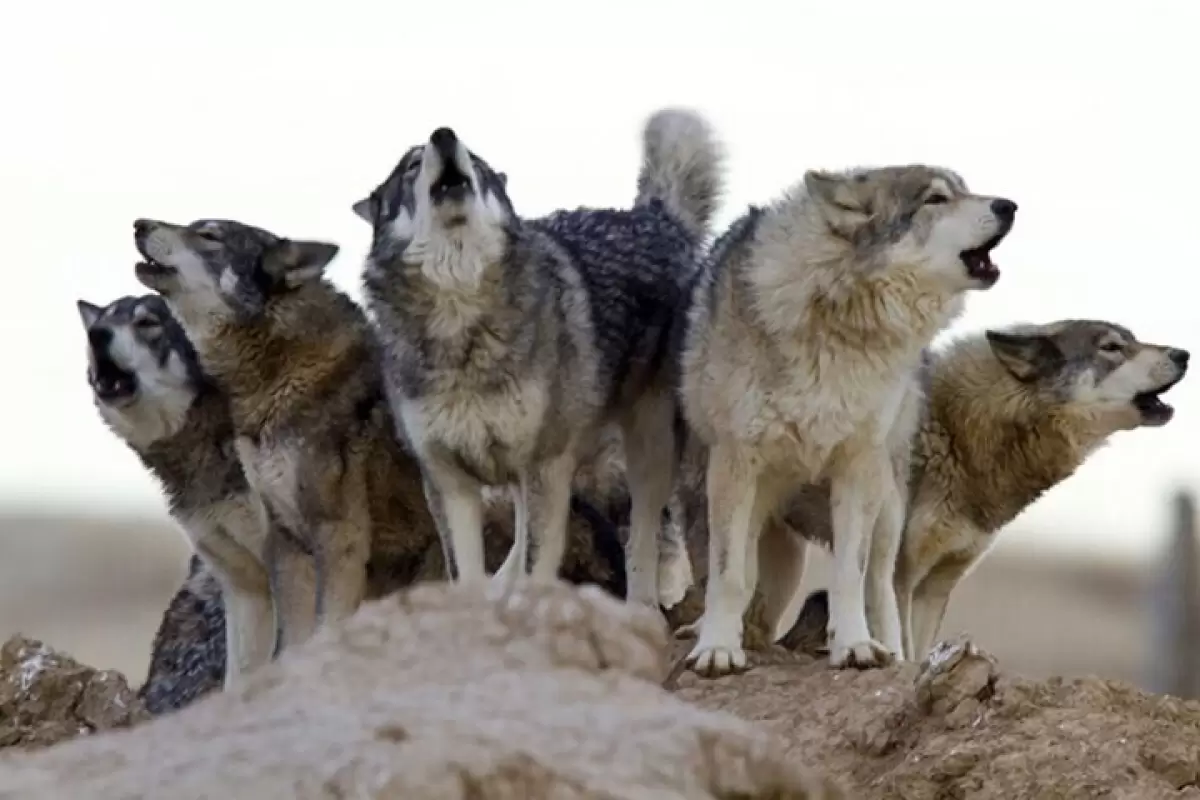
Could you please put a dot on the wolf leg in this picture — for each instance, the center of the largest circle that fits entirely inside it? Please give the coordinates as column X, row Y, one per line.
column 456, row 504
column 518, row 555
column 293, row 577
column 855, row 505
column 883, row 610
column 781, row 555
column 675, row 574
column 548, row 501
column 738, row 503
column 345, row 548
column 649, row 437
column 930, row 601
column 249, row 611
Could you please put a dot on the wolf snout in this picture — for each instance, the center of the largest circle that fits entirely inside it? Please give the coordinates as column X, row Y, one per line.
column 1178, row 357
column 1004, row 209
column 445, row 142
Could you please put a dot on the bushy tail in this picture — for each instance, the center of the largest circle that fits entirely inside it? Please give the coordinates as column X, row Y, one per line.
column 682, row 166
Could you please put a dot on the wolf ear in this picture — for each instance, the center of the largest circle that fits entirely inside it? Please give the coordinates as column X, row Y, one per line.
column 88, row 312
column 503, row 178
column 296, row 262
column 365, row 209
column 836, row 199
column 832, row 189
column 1026, row 356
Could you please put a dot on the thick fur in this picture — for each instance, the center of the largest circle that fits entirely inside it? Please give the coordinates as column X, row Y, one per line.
column 312, row 429
column 801, row 351
column 1009, row 415
column 188, row 656
column 511, row 344
column 149, row 389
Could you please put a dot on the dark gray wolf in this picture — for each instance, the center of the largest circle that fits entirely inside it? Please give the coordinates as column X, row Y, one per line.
column 511, row 343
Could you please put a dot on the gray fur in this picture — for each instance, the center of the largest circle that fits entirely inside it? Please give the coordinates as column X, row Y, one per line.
column 510, row 342
column 150, row 390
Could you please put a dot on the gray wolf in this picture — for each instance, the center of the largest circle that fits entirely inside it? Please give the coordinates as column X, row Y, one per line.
column 511, row 343
column 801, row 351
column 187, row 657
column 1010, row 414
column 300, row 366
column 151, row 392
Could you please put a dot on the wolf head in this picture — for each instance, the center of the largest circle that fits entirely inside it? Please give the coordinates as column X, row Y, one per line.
column 443, row 208
column 142, row 369
column 913, row 216
column 1093, row 366
column 217, row 271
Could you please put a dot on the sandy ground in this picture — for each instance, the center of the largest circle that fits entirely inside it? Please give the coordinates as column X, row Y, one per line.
column 95, row 588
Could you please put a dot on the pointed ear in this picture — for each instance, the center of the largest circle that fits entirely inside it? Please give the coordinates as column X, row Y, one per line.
column 296, row 262
column 365, row 209
column 88, row 312
column 503, row 178
column 832, row 190
column 1026, row 356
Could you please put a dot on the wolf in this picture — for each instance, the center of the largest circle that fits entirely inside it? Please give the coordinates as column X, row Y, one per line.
column 1010, row 413
column 149, row 389
column 300, row 366
column 800, row 353
column 510, row 344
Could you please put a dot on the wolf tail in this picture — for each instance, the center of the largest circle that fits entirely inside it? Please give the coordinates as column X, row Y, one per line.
column 682, row 167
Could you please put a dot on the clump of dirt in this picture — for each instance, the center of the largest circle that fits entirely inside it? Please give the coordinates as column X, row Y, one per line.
column 955, row 727
column 47, row 697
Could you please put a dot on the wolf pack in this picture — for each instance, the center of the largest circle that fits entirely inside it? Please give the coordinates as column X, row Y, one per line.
column 617, row 397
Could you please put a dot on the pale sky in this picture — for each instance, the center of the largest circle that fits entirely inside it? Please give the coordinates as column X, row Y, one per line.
column 283, row 114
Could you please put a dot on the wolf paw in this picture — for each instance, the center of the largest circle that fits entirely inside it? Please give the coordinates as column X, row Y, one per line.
column 710, row 661
column 866, row 654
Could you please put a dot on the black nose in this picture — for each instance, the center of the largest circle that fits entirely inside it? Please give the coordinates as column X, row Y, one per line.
column 99, row 338
column 1004, row 208
column 444, row 141
column 140, row 226
column 1180, row 357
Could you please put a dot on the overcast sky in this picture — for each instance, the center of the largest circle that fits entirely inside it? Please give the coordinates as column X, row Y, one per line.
column 283, row 114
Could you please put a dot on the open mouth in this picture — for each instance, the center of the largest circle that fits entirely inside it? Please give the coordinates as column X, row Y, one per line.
column 452, row 185
column 1153, row 410
column 978, row 261
column 115, row 388
column 151, row 273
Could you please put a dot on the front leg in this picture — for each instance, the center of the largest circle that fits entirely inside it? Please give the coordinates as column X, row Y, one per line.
column 344, row 549
column 883, row 610
column 930, row 600
column 293, row 576
column 855, row 501
column 456, row 504
column 738, row 503
column 515, row 563
column 249, row 610
column 548, row 501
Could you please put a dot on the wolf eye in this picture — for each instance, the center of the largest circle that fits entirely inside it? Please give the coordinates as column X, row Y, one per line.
column 1112, row 347
column 208, row 236
column 936, row 199
column 146, row 324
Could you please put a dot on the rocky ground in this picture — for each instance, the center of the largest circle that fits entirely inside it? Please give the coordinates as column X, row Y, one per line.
column 557, row 693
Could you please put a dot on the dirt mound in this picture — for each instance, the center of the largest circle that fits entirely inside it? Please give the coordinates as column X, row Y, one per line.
column 440, row 692
column 955, row 727
column 554, row 691
column 46, row 697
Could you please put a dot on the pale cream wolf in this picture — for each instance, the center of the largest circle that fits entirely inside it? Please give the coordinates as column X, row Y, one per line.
column 1010, row 414
column 804, row 337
